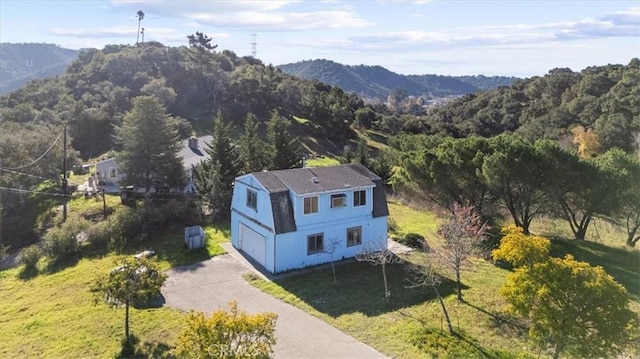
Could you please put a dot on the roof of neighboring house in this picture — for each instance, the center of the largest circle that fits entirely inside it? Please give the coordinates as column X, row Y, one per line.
column 317, row 179
column 193, row 156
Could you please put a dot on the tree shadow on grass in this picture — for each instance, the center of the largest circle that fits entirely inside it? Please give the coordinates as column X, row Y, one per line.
column 440, row 344
column 621, row 263
column 504, row 322
column 359, row 289
column 26, row 274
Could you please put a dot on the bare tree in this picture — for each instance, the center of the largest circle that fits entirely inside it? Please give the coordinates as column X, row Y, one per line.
column 424, row 275
column 378, row 254
column 463, row 235
column 330, row 248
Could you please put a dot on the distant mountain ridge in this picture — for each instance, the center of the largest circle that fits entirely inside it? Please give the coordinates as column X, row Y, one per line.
column 21, row 63
column 376, row 82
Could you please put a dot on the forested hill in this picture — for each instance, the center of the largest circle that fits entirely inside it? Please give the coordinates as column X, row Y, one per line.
column 192, row 82
column 376, row 82
column 604, row 100
column 21, row 63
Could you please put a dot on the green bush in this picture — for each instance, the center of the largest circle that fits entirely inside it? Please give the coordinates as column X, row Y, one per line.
column 416, row 241
column 98, row 236
column 124, row 225
column 30, row 257
column 61, row 243
column 392, row 225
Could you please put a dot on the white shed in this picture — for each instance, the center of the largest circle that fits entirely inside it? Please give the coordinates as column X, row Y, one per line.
column 193, row 237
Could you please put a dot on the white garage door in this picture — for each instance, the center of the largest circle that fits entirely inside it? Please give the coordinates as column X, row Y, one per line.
column 253, row 244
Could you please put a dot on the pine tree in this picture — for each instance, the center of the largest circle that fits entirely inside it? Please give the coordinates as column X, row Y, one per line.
column 150, row 146
column 284, row 148
column 252, row 148
column 214, row 177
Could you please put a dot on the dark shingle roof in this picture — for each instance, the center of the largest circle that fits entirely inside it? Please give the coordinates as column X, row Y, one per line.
column 318, row 179
column 193, row 156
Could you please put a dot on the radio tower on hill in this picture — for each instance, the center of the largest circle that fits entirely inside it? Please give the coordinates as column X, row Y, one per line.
column 254, row 45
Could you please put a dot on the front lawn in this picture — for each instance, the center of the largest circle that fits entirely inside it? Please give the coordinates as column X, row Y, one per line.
column 412, row 325
column 52, row 315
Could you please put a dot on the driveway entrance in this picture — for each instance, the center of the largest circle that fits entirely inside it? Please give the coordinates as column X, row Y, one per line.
column 210, row 285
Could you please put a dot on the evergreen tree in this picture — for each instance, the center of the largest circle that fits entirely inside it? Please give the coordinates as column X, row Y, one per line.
column 215, row 176
column 252, row 148
column 284, row 148
column 150, row 146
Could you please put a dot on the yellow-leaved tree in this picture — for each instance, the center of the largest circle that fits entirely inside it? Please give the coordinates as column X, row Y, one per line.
column 573, row 307
column 227, row 335
column 519, row 249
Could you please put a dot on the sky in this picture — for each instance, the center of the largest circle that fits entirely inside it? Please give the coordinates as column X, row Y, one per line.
column 445, row 37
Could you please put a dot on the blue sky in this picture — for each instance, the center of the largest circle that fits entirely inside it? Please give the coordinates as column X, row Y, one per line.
column 519, row 38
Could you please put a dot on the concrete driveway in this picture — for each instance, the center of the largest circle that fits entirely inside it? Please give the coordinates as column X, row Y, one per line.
column 209, row 285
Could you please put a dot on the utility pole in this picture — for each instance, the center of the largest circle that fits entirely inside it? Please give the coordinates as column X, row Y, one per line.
column 64, row 175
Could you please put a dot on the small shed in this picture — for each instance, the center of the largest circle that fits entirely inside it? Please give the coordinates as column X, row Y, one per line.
column 193, row 237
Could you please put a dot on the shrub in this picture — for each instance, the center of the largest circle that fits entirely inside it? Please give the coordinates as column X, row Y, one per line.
column 61, row 242
column 30, row 257
column 416, row 241
column 123, row 226
column 98, row 236
column 392, row 225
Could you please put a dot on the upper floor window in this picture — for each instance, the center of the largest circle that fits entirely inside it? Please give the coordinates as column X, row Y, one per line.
column 310, row 205
column 354, row 236
column 113, row 172
column 252, row 199
column 315, row 243
column 359, row 198
column 338, row 200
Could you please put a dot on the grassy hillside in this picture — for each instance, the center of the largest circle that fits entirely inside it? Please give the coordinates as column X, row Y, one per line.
column 34, row 309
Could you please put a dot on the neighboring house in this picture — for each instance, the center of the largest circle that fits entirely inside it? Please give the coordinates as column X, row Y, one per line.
column 107, row 172
column 193, row 153
column 288, row 219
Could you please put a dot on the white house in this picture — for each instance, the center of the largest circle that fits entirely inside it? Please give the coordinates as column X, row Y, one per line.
column 107, row 172
column 289, row 219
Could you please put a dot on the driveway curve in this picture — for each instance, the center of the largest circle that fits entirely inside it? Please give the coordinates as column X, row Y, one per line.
column 210, row 285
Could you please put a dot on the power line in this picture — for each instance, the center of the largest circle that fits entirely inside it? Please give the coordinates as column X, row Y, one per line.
column 37, row 159
column 27, row 174
column 34, row 192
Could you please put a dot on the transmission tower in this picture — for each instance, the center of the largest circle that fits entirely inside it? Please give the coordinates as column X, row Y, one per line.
column 254, row 45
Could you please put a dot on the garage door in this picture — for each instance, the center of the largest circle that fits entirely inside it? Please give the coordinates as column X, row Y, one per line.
column 253, row 244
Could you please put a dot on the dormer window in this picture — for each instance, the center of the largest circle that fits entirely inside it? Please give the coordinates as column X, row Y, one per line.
column 359, row 198
column 252, row 199
column 338, row 200
column 310, row 205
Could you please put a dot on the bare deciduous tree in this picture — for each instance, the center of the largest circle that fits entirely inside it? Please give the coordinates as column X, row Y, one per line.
column 330, row 248
column 378, row 254
column 463, row 235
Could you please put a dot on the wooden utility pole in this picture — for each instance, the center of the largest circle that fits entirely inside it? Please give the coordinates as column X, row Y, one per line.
column 64, row 176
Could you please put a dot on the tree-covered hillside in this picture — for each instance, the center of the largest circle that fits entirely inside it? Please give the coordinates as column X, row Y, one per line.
column 21, row 63
column 376, row 82
column 604, row 101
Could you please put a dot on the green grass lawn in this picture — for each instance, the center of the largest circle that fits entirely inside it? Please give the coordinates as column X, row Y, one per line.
column 52, row 315
column 411, row 324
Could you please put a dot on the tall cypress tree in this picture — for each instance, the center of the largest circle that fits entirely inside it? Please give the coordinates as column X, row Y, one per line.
column 252, row 148
column 150, row 146
column 214, row 176
column 284, row 149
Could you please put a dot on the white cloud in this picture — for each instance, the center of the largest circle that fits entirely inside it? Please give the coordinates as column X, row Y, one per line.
column 113, row 32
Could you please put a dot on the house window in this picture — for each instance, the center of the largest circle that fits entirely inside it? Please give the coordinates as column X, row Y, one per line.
column 113, row 172
column 252, row 199
column 359, row 198
column 315, row 243
column 338, row 200
column 310, row 205
column 354, row 236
